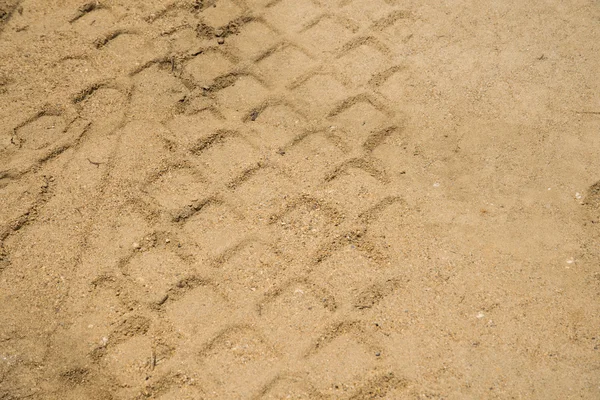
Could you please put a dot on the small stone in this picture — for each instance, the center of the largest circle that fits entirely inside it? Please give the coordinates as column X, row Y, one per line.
column 136, row 246
column 167, row 240
column 162, row 300
column 377, row 354
column 220, row 40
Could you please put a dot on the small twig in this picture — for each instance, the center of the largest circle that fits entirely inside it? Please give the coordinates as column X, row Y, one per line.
column 97, row 164
column 588, row 112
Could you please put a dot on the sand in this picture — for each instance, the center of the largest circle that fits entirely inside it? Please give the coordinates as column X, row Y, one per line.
column 299, row 199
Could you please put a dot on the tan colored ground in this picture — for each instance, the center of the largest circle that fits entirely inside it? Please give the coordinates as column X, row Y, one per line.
column 324, row 199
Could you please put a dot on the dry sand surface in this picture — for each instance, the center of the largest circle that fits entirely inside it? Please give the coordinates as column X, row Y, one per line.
column 299, row 199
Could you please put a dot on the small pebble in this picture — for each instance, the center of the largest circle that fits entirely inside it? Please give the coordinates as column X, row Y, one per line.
column 220, row 40
column 167, row 240
column 377, row 354
column 137, row 246
column 162, row 300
